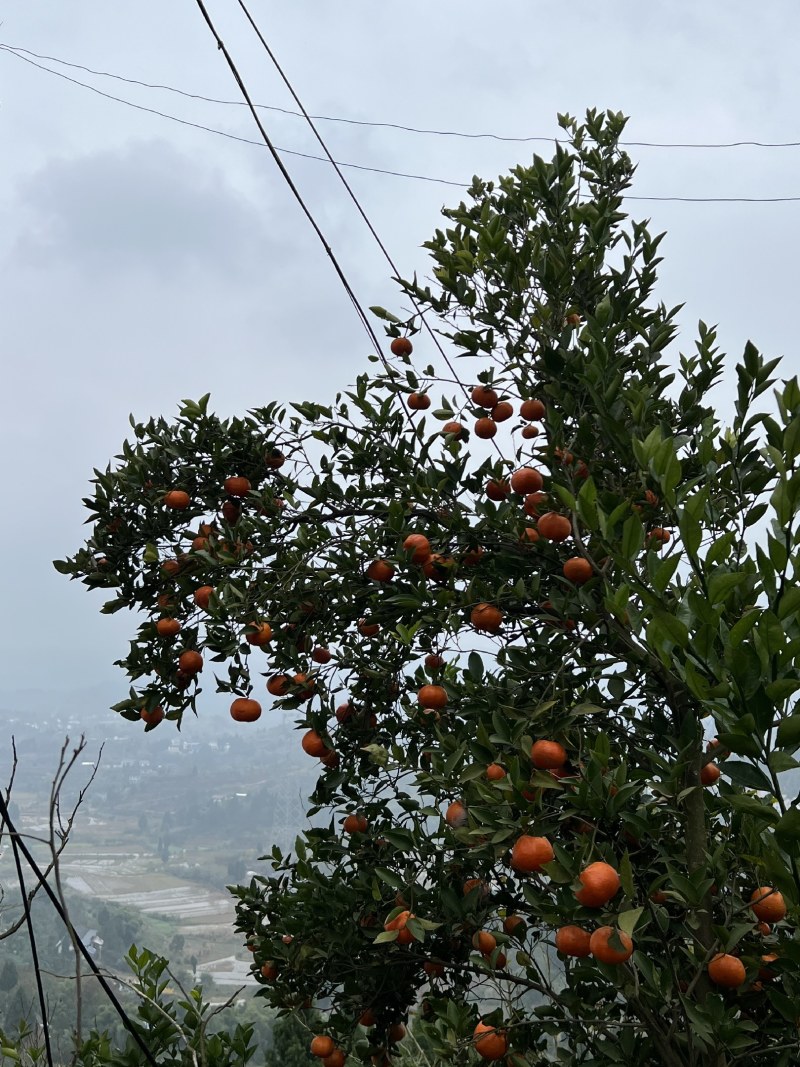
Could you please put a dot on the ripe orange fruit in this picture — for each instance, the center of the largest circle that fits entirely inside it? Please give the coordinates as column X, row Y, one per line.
column 529, row 432
column 578, row 570
column 573, row 941
column 336, row 1059
column 485, row 428
column 483, row 396
column 432, row 696
column 554, row 527
column 512, row 924
column 547, row 755
column 532, row 503
column 231, row 511
column 709, row 774
column 497, row 491
column 274, row 459
column 154, row 716
column 279, row 685
column 602, row 950
column 419, row 401
column 269, row 971
column 313, row 744
column 658, row 536
column 526, row 480
column 203, row 595
column 171, row 567
column 764, row 929
column 396, row 1032
column 726, row 970
column 486, row 617
column 475, row 883
column 502, row 411
column 529, row 535
column 306, row 685
column 167, row 627
column 368, row 629
column 237, row 486
column 489, row 1042
column 401, row 346
column 433, row 661
column 260, row 635
column 321, row 655
column 484, row 942
column 768, row 904
column 530, row 854
column 330, row 759
column 600, row 882
column 368, row 1018
column 438, row 567
column 433, row 968
column 322, row 1046
column 355, row 824
column 190, row 662
column 399, row 923
column 419, row 546
column 245, row 710
column 177, row 499
column 454, row 428
column 495, row 773
column 532, row 410
column 456, row 814
column 765, row 971
column 380, row 571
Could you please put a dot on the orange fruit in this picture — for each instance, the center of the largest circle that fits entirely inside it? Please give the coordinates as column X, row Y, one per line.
column 602, row 950
column 486, row 617
column 419, row 546
column 484, row 397
column 355, row 824
column 529, row 535
column 659, row 536
column 475, row 883
column 554, row 527
column 380, row 571
column 153, row 716
column 231, row 511
column 274, row 459
column 419, row 401
column 367, row 628
column 177, row 499
column 260, row 634
column 322, row 1046
column 167, row 627
column 399, row 923
column 269, row 971
column 432, row 696
column 401, row 346
column 532, row 503
column 502, row 411
column 495, row 772
column 765, row 971
column 454, row 428
column 437, row 567
column 190, row 662
column 578, row 570
column 433, row 661
column 526, row 480
column 202, row 596
column 279, row 685
column 547, row 755
column 472, row 556
column 709, row 774
column 321, row 655
column 396, row 1032
column 330, row 759
column 313, row 744
column 529, row 432
column 497, row 491
column 599, row 882
column 530, row 854
column 573, row 941
column 764, row 929
column 245, row 710
column 768, row 904
column 726, row 971
column 489, row 1042
column 336, row 1059
column 456, row 815
column 433, row 968
column 512, row 924
column 484, row 942
column 237, row 486
column 367, row 1018
column 532, row 410
column 485, row 429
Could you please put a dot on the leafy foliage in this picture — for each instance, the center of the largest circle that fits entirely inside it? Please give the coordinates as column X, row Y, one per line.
column 681, row 611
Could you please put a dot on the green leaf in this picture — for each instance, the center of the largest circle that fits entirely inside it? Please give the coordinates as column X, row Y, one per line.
column 150, row 554
column 632, row 537
column 787, row 829
column 789, row 732
column 721, row 585
column 475, row 667
column 779, row 690
column 389, row 877
column 781, row 761
column 745, row 774
column 751, row 806
column 382, row 313
column 627, row 920
column 742, row 628
column 386, row 935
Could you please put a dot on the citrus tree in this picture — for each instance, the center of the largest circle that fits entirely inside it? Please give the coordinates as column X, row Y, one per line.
column 535, row 611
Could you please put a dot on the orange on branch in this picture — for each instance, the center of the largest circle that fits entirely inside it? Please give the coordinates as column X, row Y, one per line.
column 601, row 947
column 530, row 854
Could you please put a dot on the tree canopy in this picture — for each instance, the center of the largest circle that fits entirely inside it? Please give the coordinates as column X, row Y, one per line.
column 535, row 610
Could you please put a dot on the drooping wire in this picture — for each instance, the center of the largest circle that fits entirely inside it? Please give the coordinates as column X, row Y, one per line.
column 16, row 838
column 391, row 125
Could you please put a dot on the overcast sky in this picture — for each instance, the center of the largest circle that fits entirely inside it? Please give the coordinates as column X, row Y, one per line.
column 142, row 261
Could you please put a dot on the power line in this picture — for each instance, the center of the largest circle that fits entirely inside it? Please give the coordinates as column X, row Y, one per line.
column 398, row 173
column 390, row 125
